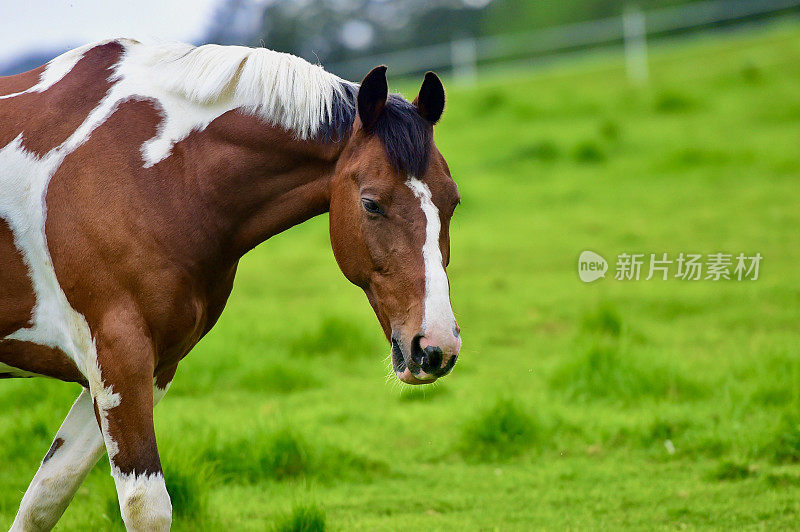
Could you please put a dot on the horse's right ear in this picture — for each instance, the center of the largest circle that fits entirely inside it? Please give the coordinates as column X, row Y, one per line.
column 372, row 96
column 430, row 100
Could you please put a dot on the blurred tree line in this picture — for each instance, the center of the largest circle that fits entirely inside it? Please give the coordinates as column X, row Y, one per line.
column 336, row 30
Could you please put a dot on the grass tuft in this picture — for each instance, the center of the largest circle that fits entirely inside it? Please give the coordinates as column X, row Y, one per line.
column 490, row 102
column 277, row 456
column 603, row 320
column 777, row 385
column 26, row 439
column 730, row 470
column 589, row 151
column 751, row 73
column 278, row 378
column 542, row 150
column 187, row 486
column 609, row 129
column 608, row 368
column 605, row 371
column 333, row 464
column 672, row 102
column 285, row 455
column 422, row 393
column 785, row 444
column 782, row 479
column 662, row 430
column 335, row 335
column 503, row 431
column 304, row 518
column 112, row 513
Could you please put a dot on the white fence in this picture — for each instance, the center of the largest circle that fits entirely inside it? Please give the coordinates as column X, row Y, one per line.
column 632, row 28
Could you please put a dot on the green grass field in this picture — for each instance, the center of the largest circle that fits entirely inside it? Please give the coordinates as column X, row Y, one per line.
column 644, row 405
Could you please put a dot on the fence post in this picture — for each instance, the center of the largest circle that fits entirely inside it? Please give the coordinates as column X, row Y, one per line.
column 634, row 37
column 463, row 58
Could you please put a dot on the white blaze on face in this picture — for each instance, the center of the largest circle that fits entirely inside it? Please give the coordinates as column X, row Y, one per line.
column 437, row 316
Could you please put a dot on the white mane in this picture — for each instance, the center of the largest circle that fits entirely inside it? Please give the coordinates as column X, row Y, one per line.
column 281, row 88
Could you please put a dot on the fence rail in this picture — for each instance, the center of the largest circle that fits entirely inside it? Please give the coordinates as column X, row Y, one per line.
column 632, row 28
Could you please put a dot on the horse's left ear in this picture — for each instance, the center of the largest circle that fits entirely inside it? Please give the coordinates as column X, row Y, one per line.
column 372, row 96
column 430, row 100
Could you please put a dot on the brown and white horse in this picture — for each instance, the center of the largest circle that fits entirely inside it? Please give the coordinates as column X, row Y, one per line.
column 132, row 180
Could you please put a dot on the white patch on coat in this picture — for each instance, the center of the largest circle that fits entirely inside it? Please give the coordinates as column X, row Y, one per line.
column 58, row 478
column 105, row 398
column 143, row 501
column 438, row 313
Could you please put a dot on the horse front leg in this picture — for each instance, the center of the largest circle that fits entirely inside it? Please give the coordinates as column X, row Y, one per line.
column 122, row 389
column 75, row 450
column 77, row 447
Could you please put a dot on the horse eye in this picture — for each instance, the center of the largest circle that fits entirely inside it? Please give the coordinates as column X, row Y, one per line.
column 371, row 206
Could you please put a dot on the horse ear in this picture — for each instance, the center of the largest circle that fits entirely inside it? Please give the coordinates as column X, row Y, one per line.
column 430, row 100
column 372, row 96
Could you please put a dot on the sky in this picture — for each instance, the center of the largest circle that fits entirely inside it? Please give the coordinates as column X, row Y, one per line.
column 44, row 25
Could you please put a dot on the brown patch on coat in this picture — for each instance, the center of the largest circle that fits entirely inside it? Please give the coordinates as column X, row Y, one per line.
column 57, row 443
column 20, row 82
column 17, row 298
column 46, row 119
column 40, row 359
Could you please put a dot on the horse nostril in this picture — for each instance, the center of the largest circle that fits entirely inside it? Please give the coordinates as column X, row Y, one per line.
column 417, row 354
column 429, row 359
column 433, row 359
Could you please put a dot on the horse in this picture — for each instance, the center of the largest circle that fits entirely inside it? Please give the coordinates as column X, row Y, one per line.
column 133, row 177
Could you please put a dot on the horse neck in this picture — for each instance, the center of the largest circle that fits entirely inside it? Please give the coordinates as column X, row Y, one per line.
column 256, row 181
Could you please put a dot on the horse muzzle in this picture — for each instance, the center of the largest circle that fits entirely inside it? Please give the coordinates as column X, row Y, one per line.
column 424, row 359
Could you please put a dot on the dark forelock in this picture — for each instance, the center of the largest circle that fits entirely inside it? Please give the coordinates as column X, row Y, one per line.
column 405, row 135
